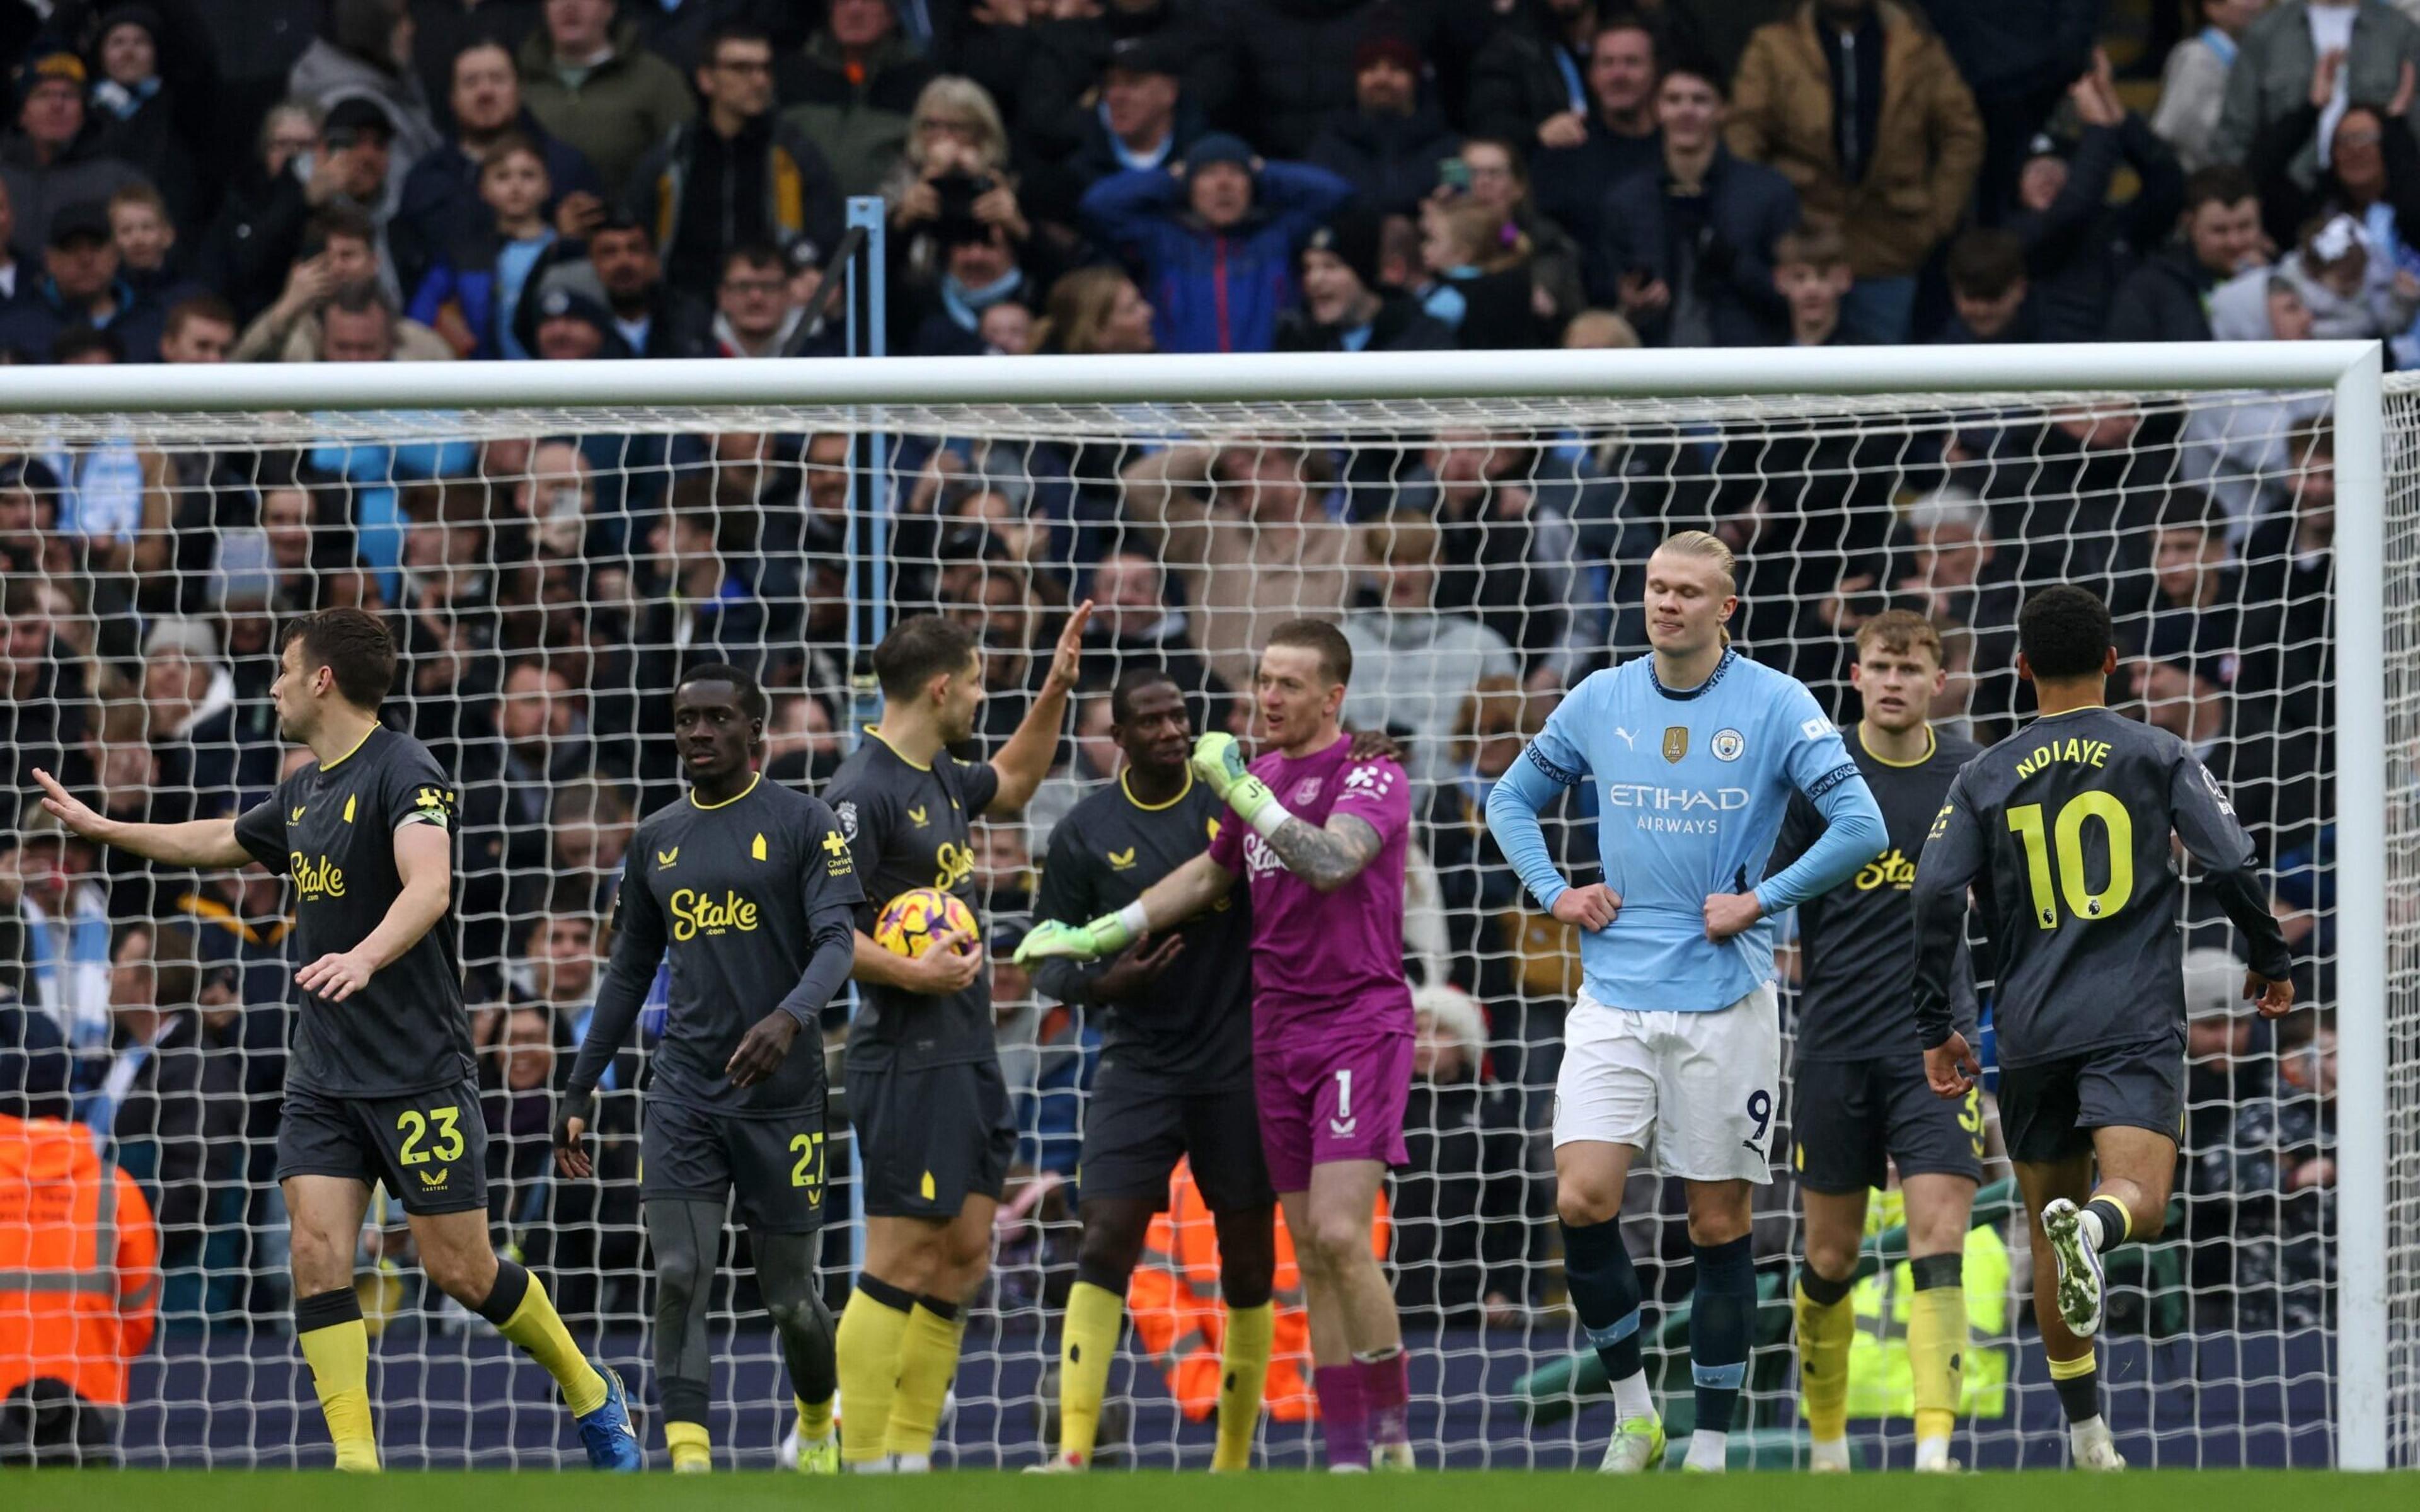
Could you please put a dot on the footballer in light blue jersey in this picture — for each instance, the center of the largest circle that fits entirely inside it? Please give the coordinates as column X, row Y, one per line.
column 1673, row 1051
column 1692, row 787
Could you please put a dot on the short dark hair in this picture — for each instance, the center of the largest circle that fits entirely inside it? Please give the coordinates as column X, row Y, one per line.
column 917, row 650
column 2064, row 632
column 350, row 642
column 752, row 694
column 200, row 307
column 2190, row 509
column 1986, row 262
column 1699, row 67
column 2221, row 183
column 729, row 31
column 1122, row 695
column 1335, row 652
column 750, row 255
column 331, row 221
column 80, row 340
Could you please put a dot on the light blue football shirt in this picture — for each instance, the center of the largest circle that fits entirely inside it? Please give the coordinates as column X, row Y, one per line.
column 1692, row 787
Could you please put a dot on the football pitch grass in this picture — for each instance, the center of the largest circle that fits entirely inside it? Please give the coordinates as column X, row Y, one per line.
column 2183, row 1490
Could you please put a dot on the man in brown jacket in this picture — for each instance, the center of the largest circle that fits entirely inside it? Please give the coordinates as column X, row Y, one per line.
column 1858, row 105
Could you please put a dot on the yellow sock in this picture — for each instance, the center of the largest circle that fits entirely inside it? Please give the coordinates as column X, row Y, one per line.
column 815, row 1419
column 340, row 1356
column 928, row 1362
column 538, row 1329
column 1087, row 1342
column 1936, row 1350
column 866, row 1353
column 692, row 1451
column 1243, row 1375
column 1825, row 1333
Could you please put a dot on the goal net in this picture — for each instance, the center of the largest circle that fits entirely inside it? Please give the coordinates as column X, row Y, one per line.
column 550, row 568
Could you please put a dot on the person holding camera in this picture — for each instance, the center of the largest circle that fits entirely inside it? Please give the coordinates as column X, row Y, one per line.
column 966, row 244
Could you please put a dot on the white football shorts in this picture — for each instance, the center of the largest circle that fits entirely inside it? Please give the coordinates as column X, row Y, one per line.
column 1698, row 1094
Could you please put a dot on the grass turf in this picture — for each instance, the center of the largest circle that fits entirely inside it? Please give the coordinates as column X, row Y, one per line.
column 239, row 1491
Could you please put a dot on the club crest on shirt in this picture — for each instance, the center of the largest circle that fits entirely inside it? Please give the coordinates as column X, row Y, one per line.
column 1676, row 742
column 1726, row 744
column 1307, row 790
column 845, row 811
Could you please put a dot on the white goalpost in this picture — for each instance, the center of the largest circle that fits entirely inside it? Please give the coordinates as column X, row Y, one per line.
column 553, row 541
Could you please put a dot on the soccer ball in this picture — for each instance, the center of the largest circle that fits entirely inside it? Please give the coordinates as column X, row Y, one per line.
column 911, row 921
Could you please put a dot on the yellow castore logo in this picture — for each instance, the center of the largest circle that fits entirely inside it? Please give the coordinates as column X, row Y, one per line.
column 916, row 816
column 695, row 913
column 664, row 860
column 1120, row 860
column 322, row 878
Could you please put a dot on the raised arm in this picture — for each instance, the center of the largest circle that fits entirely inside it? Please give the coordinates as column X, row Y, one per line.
column 1025, row 760
column 201, row 843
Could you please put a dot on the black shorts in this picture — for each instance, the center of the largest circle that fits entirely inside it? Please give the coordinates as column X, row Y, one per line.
column 429, row 1147
column 1851, row 1119
column 927, row 1139
column 775, row 1164
column 2049, row 1110
column 1134, row 1136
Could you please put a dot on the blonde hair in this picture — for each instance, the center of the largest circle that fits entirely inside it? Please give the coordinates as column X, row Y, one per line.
column 1406, row 538
column 1081, row 305
column 1702, row 546
column 1491, row 243
column 958, row 95
column 1599, row 329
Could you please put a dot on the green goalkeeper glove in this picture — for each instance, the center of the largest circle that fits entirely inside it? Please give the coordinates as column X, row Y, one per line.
column 1105, row 935
column 1220, row 761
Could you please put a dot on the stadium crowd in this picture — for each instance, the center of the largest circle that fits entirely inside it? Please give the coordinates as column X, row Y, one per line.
column 374, row 180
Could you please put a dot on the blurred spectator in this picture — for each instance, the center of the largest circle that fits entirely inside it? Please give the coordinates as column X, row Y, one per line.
column 621, row 271
column 1344, row 305
column 359, row 325
column 706, row 612
column 1686, row 253
column 1097, row 310
column 339, row 251
column 146, row 238
column 440, row 206
column 171, row 1100
column 1598, row 331
column 1506, row 559
column 54, row 157
column 1988, row 288
column 965, row 243
column 138, row 110
column 253, row 195
column 346, row 176
column 1389, row 144
column 1094, row 758
column 188, row 707
column 443, row 30
column 755, row 313
column 589, row 824
column 61, row 918
column 1578, row 156
column 573, row 328
column 1247, row 529
column 2017, row 62
column 64, row 1350
column 1215, row 247
column 591, row 85
column 1144, row 117
column 1132, row 625
column 364, row 54
column 2078, row 247
column 852, row 89
column 199, row 330
column 2327, row 55
column 1526, row 85
column 1813, row 272
column 2193, row 84
column 1296, row 60
column 2275, row 1180
column 45, row 718
column 1477, row 282
column 1862, row 110
column 1492, row 174
column 2350, row 287
column 1414, row 666
column 2219, row 237
column 474, row 289
column 81, row 287
column 1948, row 569
column 1463, row 1212
column 15, row 278
column 735, row 175
column 2373, row 175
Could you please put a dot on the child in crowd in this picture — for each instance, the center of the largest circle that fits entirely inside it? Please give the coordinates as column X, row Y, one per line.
column 1810, row 268
column 470, row 295
column 1477, row 268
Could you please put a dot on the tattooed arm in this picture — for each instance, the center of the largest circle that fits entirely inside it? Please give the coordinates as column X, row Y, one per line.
column 1326, row 858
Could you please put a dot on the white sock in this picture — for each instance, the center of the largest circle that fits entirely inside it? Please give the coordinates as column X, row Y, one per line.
column 2086, row 1431
column 1932, row 1454
column 1709, row 1450
column 1631, row 1397
column 880, row 1465
column 911, row 1464
column 1823, row 1454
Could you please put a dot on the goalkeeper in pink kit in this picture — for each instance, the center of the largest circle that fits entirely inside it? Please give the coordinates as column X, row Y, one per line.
column 1320, row 840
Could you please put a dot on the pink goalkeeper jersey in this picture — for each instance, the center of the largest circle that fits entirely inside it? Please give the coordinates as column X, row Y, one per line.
column 1331, row 960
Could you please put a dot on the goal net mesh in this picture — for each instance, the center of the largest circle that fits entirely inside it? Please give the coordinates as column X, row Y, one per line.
column 549, row 572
